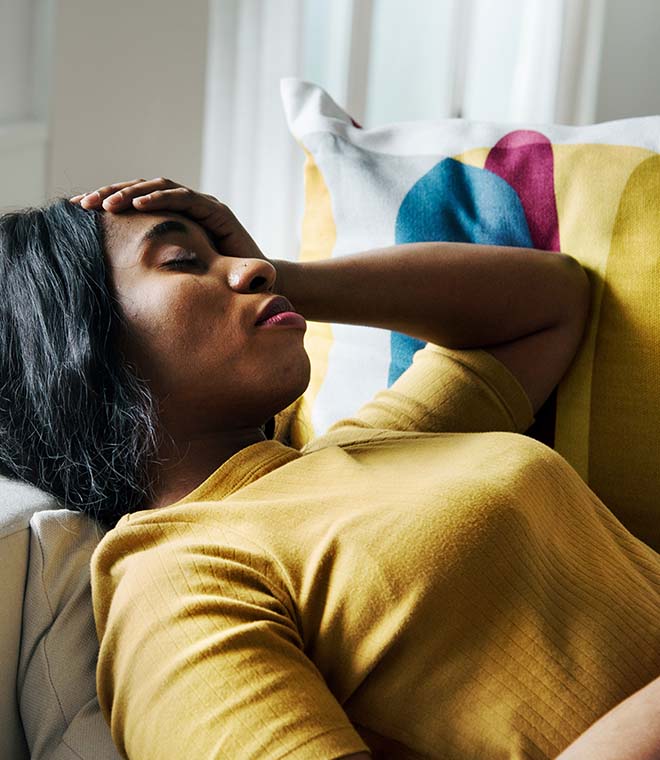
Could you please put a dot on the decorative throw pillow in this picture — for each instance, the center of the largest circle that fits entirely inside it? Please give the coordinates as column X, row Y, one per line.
column 590, row 191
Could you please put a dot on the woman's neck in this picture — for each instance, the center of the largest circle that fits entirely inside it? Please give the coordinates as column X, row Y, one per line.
column 187, row 462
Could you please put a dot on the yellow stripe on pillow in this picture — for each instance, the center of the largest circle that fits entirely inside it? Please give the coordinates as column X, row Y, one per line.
column 319, row 235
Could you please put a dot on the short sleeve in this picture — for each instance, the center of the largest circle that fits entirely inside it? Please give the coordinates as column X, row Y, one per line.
column 200, row 655
column 448, row 391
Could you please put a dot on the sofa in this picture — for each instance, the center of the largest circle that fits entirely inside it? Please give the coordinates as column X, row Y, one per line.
column 593, row 192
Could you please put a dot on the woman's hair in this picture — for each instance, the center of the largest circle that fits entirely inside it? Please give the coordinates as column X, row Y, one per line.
column 75, row 421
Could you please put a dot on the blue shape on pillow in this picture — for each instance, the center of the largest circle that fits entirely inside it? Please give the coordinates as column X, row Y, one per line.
column 461, row 204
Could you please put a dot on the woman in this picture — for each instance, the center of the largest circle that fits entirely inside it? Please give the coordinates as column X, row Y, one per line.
column 421, row 580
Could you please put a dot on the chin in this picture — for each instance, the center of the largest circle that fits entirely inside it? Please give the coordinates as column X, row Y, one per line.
column 296, row 380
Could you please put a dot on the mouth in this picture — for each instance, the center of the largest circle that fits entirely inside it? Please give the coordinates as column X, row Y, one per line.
column 273, row 307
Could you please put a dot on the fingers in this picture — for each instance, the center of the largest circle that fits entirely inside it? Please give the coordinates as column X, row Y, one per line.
column 181, row 199
column 97, row 196
column 159, row 193
column 119, row 196
column 127, row 197
column 163, row 194
column 211, row 213
column 156, row 195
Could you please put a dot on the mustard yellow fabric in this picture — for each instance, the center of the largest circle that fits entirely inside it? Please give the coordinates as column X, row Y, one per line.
column 422, row 570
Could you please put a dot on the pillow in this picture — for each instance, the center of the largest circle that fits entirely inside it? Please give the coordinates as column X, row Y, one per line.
column 56, row 682
column 18, row 502
column 590, row 191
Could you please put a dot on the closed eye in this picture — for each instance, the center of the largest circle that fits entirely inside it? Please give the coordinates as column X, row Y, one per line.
column 182, row 262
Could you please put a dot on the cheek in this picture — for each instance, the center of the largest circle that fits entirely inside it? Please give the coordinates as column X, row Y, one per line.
column 180, row 333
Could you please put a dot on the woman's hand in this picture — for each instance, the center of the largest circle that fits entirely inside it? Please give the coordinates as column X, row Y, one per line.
column 165, row 195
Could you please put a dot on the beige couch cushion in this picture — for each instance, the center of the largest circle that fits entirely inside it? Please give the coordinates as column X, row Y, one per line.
column 48, row 644
column 18, row 502
column 59, row 648
column 13, row 555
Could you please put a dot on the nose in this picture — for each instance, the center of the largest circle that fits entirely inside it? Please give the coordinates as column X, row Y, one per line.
column 251, row 275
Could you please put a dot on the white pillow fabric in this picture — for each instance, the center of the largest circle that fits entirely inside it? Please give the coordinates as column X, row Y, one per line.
column 56, row 681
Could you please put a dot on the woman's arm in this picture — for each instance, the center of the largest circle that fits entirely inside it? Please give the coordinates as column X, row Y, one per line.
column 631, row 731
column 457, row 295
column 527, row 307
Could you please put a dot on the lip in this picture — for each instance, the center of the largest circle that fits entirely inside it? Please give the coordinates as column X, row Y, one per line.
column 273, row 306
column 284, row 319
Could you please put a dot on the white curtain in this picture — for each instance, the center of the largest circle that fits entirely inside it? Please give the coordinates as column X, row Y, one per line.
column 383, row 60
column 534, row 61
column 583, row 31
column 250, row 160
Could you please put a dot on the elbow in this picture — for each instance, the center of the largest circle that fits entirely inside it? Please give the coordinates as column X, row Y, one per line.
column 576, row 290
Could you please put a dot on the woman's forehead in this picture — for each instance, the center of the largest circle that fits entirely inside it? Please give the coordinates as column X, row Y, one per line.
column 127, row 232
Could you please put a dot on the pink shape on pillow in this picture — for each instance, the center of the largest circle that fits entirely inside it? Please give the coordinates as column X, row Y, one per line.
column 525, row 160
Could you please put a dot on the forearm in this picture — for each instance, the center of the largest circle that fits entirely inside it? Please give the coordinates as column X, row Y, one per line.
column 631, row 731
column 455, row 294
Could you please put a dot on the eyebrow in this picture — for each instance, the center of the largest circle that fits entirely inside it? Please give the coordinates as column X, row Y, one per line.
column 168, row 227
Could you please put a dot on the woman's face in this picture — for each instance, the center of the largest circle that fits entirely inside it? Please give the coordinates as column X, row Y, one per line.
column 191, row 332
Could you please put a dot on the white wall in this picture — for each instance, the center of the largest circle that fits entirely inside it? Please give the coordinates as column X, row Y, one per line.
column 16, row 50
column 22, row 164
column 629, row 82
column 127, row 92
column 23, row 85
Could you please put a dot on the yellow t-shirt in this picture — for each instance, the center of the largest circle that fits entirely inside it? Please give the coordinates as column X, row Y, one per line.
column 422, row 570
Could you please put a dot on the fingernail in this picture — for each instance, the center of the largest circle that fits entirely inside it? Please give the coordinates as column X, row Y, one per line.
column 113, row 200
column 89, row 198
